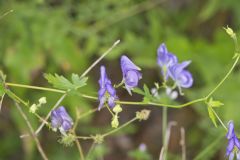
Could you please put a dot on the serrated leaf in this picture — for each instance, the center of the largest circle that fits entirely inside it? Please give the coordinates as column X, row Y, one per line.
column 212, row 115
column 79, row 82
column 61, row 82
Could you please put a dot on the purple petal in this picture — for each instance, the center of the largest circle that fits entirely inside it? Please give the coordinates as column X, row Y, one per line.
column 111, row 90
column 132, row 78
column 111, row 101
column 230, row 133
column 230, row 146
column 237, row 143
column 56, row 120
column 231, row 156
column 101, row 102
column 67, row 125
column 185, row 79
column 127, row 64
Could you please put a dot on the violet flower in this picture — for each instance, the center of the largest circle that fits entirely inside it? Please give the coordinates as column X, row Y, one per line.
column 106, row 91
column 180, row 75
column 131, row 74
column 233, row 141
column 165, row 60
column 61, row 120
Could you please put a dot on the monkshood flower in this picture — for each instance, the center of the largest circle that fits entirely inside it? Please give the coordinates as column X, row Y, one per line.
column 131, row 74
column 165, row 59
column 106, row 92
column 61, row 120
column 233, row 142
column 180, row 75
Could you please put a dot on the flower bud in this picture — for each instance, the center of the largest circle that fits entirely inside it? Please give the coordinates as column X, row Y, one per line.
column 42, row 100
column 33, row 108
column 143, row 114
column 117, row 109
column 230, row 32
column 115, row 122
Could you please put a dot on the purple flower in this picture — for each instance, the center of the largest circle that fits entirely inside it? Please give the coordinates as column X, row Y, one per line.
column 232, row 142
column 106, row 91
column 180, row 75
column 61, row 120
column 165, row 59
column 131, row 74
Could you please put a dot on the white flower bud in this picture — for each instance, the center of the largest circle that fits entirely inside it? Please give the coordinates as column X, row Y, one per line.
column 33, row 108
column 115, row 122
column 42, row 100
column 117, row 109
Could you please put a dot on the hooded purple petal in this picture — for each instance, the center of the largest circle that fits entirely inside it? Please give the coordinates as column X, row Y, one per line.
column 182, row 77
column 106, row 92
column 131, row 74
column 61, row 119
column 165, row 59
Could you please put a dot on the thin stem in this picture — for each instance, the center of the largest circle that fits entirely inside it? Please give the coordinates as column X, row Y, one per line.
column 15, row 97
column 32, row 132
column 164, row 127
column 183, row 143
column 35, row 87
column 224, row 78
column 84, row 138
column 99, row 59
column 149, row 103
column 79, row 147
column 122, row 126
column 6, row 13
column 91, row 149
column 109, row 110
column 219, row 119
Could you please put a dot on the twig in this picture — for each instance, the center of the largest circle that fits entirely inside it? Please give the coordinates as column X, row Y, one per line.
column 99, row 59
column 79, row 147
column 161, row 154
column 32, row 132
column 182, row 143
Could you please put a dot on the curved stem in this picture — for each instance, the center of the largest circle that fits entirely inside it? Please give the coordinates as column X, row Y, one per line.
column 122, row 126
column 224, row 78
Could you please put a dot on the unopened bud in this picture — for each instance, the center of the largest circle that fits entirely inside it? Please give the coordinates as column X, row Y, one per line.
column 117, row 109
column 230, row 32
column 143, row 114
column 42, row 100
column 115, row 122
column 33, row 108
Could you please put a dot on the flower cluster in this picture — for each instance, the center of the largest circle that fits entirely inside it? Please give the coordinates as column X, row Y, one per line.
column 131, row 76
column 61, row 120
column 170, row 67
column 106, row 92
column 233, row 142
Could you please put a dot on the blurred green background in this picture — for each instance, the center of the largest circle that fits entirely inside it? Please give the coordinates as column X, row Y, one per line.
column 65, row 36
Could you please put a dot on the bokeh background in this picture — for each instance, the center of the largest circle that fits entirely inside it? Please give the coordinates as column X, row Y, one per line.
column 66, row 36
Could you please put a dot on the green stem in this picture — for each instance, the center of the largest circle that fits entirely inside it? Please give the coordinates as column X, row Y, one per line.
column 35, row 87
column 224, row 78
column 122, row 126
column 100, row 58
column 219, row 119
column 164, row 132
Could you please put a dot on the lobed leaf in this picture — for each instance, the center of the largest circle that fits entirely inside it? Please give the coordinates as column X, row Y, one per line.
column 60, row 82
column 212, row 115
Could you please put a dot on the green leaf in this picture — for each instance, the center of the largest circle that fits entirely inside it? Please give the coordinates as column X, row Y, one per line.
column 146, row 91
column 213, row 103
column 138, row 91
column 212, row 115
column 61, row 82
column 2, row 81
